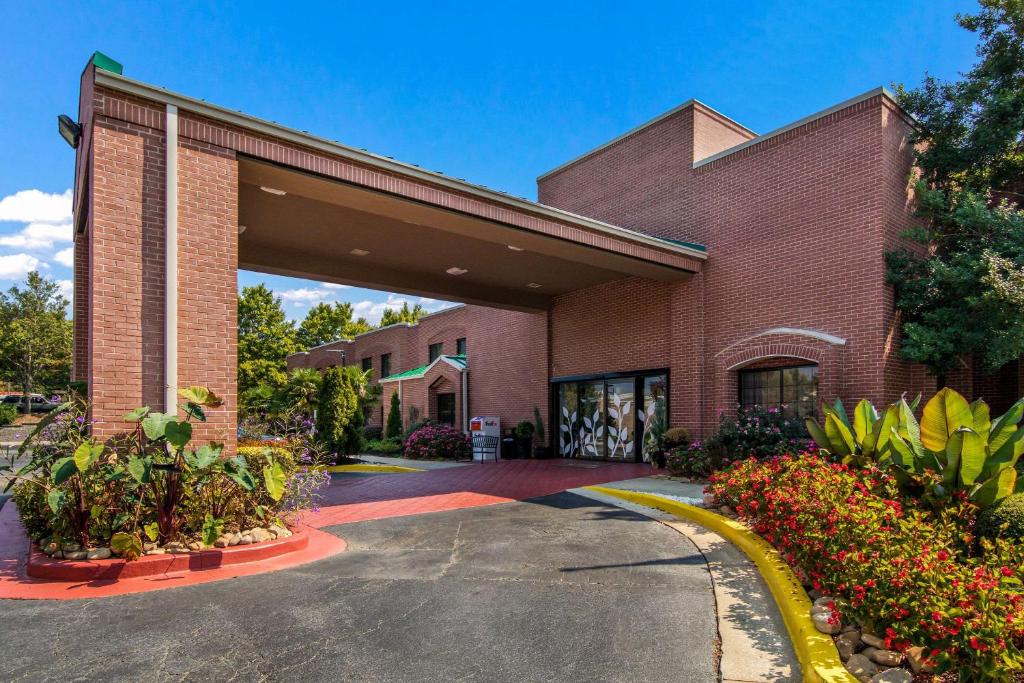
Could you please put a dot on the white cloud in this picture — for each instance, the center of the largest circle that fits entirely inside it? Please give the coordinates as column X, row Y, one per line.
column 67, row 289
column 332, row 285
column 65, row 257
column 305, row 295
column 16, row 266
column 35, row 206
column 38, row 236
column 373, row 310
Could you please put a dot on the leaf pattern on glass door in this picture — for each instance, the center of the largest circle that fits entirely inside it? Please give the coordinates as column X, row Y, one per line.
column 568, row 431
column 620, row 445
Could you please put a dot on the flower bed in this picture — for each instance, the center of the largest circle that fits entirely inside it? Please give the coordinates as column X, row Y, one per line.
column 150, row 492
column 914, row 579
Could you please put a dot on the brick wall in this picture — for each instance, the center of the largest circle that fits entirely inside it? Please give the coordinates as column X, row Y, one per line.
column 796, row 227
column 507, row 353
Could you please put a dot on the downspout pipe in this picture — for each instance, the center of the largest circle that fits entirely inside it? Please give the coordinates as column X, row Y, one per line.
column 465, row 400
column 171, row 266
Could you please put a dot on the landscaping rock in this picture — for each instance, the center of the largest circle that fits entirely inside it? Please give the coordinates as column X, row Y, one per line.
column 50, row 548
column 886, row 657
column 71, row 547
column 813, row 594
column 820, row 609
column 822, row 623
column 259, row 535
column 847, row 644
column 709, row 500
column 861, row 667
column 872, row 640
column 893, row 676
column 727, row 511
column 146, row 547
column 195, row 545
column 245, row 539
column 236, row 538
column 176, row 547
column 222, row 541
column 75, row 555
column 156, row 551
column 280, row 531
column 824, row 600
column 916, row 657
column 98, row 554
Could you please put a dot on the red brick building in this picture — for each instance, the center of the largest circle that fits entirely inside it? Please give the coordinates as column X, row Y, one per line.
column 663, row 277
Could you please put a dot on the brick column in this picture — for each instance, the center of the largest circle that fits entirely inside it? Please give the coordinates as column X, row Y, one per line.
column 126, row 250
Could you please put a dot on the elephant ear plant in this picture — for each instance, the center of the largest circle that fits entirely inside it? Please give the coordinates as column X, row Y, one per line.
column 159, row 460
column 955, row 449
column 150, row 483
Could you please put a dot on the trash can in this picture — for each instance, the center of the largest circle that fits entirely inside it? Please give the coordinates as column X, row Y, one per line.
column 508, row 446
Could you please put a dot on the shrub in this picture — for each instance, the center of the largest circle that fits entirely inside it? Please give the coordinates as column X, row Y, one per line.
column 393, row 428
column 371, row 433
column 677, row 436
column 8, row 414
column 755, row 433
column 338, row 403
column 691, row 460
column 525, row 429
column 437, row 442
column 417, row 425
column 956, row 448
column 902, row 571
column 384, row 446
column 1004, row 520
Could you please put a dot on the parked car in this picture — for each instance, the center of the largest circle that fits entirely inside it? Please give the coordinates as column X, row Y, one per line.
column 37, row 402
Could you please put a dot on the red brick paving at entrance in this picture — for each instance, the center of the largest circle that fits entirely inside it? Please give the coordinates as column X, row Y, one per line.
column 396, row 495
column 347, row 500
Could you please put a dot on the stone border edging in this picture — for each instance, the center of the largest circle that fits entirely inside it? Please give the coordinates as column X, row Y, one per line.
column 367, row 467
column 42, row 567
column 815, row 651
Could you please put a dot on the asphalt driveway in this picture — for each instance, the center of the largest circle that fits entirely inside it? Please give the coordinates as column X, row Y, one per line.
column 559, row 588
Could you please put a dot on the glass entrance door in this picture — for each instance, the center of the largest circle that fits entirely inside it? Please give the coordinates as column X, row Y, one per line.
column 618, row 417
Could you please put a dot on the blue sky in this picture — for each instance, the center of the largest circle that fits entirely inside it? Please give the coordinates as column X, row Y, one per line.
column 495, row 93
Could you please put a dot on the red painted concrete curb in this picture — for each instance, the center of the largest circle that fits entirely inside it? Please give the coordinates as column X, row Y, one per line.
column 40, row 566
column 16, row 552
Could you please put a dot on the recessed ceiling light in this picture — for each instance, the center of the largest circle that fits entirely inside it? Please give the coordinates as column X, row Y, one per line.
column 533, row 285
column 515, row 248
column 241, row 229
column 273, row 190
column 359, row 252
column 455, row 270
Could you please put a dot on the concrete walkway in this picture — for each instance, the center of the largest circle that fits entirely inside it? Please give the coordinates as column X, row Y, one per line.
column 754, row 640
column 409, row 462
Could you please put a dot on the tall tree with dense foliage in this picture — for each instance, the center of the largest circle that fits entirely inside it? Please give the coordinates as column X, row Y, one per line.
column 35, row 335
column 265, row 338
column 962, row 296
column 402, row 315
column 329, row 322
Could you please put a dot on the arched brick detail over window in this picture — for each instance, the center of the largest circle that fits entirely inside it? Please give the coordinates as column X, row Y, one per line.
column 773, row 348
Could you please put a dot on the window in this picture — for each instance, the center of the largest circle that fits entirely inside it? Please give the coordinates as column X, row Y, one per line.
column 367, row 363
column 794, row 389
column 460, row 346
column 446, row 409
column 435, row 351
column 385, row 365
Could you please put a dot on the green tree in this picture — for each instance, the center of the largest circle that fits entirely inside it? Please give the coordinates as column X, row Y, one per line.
column 302, row 390
column 265, row 338
column 393, row 428
column 962, row 296
column 35, row 335
column 329, row 322
column 337, row 403
column 402, row 315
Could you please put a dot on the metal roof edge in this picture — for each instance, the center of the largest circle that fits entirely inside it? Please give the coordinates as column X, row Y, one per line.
column 422, row 370
column 151, row 92
column 881, row 90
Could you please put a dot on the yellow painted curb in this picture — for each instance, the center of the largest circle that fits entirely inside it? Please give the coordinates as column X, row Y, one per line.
column 367, row 467
column 816, row 651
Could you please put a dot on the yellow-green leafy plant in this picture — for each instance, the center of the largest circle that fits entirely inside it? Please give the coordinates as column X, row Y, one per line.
column 955, row 449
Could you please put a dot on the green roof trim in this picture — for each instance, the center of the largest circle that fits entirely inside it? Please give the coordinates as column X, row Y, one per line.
column 460, row 363
column 101, row 61
column 681, row 243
